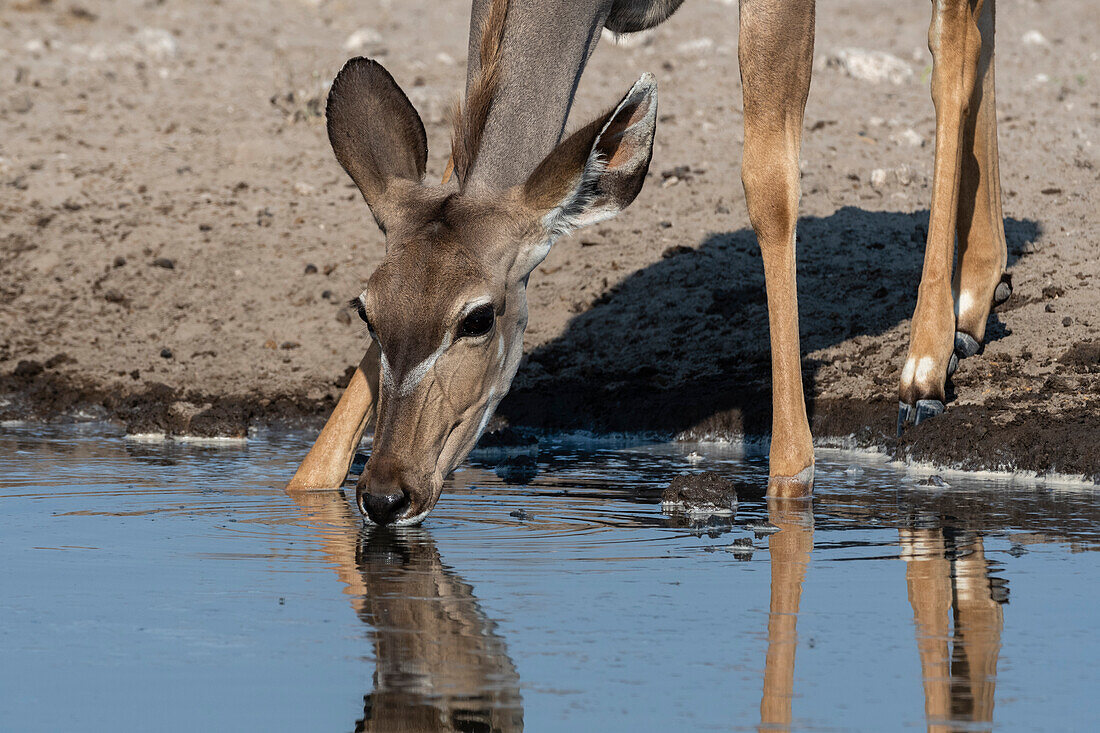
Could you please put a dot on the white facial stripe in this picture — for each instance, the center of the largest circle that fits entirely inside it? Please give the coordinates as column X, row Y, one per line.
column 416, row 375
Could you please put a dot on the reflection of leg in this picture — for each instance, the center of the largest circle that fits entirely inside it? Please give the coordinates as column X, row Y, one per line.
column 327, row 463
column 927, row 574
column 978, row 623
column 790, row 554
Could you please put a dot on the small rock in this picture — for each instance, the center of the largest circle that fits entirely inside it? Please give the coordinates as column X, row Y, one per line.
column 670, row 181
column 303, row 189
column 1034, row 38
column 288, row 345
column 311, row 269
column 119, row 261
column 935, row 480
column 519, row 514
column 904, row 174
column 1067, row 321
column 157, row 43
column 362, row 38
column 270, row 344
column 741, row 548
column 165, row 353
column 878, row 178
column 113, row 296
column 342, row 316
column 696, row 45
column 909, row 137
column 871, row 66
column 165, row 262
column 665, row 224
column 694, row 457
column 27, row 368
column 761, row 529
column 853, row 470
column 704, row 493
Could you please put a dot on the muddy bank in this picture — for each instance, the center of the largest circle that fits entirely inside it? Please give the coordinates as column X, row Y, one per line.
column 177, row 240
column 968, row 436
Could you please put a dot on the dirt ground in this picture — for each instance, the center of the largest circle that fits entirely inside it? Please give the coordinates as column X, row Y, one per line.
column 177, row 241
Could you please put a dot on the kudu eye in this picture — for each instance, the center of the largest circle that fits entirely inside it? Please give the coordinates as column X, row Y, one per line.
column 479, row 321
column 357, row 304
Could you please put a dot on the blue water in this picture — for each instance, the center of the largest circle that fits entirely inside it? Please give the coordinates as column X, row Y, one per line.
column 176, row 586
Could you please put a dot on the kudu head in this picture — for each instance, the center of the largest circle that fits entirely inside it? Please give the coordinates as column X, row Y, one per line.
column 448, row 304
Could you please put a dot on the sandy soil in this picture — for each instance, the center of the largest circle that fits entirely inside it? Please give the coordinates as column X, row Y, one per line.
column 177, row 241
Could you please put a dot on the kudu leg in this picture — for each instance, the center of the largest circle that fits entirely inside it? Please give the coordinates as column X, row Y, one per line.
column 327, row 463
column 955, row 40
column 983, row 254
column 776, row 53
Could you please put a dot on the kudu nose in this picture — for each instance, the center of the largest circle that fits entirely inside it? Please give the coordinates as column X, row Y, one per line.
column 383, row 508
column 382, row 493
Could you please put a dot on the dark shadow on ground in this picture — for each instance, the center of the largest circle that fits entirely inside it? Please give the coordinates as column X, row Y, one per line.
column 683, row 344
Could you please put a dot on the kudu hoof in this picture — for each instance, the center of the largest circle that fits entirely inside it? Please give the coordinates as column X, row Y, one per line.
column 966, row 345
column 1003, row 291
column 916, row 414
column 799, row 486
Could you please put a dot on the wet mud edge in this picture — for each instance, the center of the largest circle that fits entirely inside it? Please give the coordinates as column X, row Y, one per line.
column 968, row 437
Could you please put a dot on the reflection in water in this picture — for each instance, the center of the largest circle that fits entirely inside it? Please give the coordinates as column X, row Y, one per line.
column 790, row 554
column 440, row 664
column 948, row 578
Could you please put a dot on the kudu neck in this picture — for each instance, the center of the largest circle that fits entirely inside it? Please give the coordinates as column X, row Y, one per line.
column 546, row 46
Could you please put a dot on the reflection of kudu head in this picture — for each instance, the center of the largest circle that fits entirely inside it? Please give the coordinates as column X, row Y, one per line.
column 440, row 665
column 448, row 304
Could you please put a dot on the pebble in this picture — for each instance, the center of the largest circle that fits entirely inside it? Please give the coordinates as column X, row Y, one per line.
column 870, row 66
column 878, row 178
column 742, row 548
column 1034, row 38
column 311, row 269
column 166, row 353
column 696, row 45
column 166, row 263
column 853, row 470
column 519, row 514
column 935, row 480
column 909, row 137
column 119, row 261
column 362, row 38
column 303, row 189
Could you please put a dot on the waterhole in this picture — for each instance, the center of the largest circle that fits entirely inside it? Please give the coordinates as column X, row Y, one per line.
column 177, row 586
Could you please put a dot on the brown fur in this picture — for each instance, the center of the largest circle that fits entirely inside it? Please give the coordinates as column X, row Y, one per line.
column 469, row 119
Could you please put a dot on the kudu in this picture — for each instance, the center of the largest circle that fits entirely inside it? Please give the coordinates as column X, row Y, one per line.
column 447, row 307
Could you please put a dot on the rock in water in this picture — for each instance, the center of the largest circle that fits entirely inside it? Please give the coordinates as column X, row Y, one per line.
column 700, row 493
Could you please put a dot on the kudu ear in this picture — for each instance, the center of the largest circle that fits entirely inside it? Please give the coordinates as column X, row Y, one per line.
column 375, row 132
column 598, row 170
